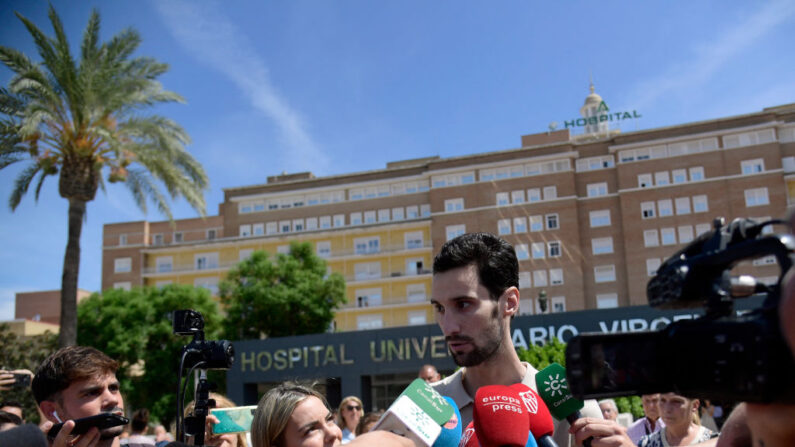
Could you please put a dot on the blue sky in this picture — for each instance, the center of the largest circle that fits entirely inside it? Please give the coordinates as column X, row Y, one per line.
column 340, row 86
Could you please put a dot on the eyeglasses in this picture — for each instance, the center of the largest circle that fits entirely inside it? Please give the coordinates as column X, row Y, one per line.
column 353, row 408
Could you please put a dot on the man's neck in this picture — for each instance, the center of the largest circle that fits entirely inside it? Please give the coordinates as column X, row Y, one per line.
column 504, row 368
column 652, row 422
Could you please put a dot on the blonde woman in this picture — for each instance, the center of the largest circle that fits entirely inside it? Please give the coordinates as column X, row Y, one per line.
column 293, row 415
column 225, row 440
column 680, row 414
column 350, row 412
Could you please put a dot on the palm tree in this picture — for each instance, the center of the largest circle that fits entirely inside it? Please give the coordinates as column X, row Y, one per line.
column 81, row 120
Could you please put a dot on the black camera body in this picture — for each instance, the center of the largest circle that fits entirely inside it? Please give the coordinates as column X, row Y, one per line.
column 721, row 355
column 202, row 354
column 209, row 354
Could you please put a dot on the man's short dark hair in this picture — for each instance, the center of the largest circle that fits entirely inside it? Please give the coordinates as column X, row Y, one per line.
column 494, row 258
column 9, row 418
column 68, row 365
column 140, row 420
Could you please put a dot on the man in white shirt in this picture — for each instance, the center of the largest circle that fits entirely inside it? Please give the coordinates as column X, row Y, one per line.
column 651, row 422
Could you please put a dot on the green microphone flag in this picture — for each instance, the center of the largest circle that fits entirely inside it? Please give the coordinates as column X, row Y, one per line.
column 554, row 389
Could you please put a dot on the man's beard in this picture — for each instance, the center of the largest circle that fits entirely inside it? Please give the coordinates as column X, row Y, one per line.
column 112, row 432
column 479, row 354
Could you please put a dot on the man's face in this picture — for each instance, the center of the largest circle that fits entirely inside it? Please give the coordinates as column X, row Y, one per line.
column 88, row 398
column 430, row 375
column 608, row 412
column 651, row 405
column 13, row 410
column 470, row 320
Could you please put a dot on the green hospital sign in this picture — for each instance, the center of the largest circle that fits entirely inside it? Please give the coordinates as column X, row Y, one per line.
column 604, row 114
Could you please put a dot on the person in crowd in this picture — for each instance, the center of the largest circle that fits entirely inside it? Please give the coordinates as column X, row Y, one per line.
column 772, row 424
column 162, row 435
column 367, row 422
column 351, row 411
column 609, row 409
column 220, row 440
column 429, row 374
column 7, row 378
column 680, row 414
column 475, row 294
column 293, row 415
column 706, row 415
column 9, row 421
column 77, row 382
column 139, row 426
column 13, row 407
column 650, row 422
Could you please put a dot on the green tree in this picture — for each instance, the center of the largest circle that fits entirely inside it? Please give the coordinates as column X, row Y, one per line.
column 289, row 295
column 630, row 404
column 135, row 328
column 543, row 356
column 80, row 119
column 24, row 353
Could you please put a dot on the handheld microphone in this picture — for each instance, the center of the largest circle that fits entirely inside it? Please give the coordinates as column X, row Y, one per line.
column 539, row 418
column 553, row 387
column 417, row 414
column 451, row 430
column 499, row 417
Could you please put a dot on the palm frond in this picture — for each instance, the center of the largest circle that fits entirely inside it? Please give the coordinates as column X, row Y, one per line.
column 43, row 43
column 15, row 60
column 142, row 187
column 21, row 184
column 43, row 174
column 89, row 49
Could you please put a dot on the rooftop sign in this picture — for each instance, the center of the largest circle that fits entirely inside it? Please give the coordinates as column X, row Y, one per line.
column 603, row 114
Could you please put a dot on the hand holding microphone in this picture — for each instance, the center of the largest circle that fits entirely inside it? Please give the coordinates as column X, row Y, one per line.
column 553, row 387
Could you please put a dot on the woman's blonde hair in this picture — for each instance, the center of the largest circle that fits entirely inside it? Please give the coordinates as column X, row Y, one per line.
column 274, row 410
column 343, row 404
column 221, row 401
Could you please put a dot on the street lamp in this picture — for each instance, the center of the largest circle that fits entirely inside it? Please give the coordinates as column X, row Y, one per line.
column 542, row 301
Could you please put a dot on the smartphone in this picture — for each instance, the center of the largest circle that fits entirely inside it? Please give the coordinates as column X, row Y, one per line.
column 22, row 380
column 101, row 421
column 233, row 420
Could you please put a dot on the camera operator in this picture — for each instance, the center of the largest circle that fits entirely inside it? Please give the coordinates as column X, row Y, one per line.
column 772, row 424
column 749, row 424
column 77, row 382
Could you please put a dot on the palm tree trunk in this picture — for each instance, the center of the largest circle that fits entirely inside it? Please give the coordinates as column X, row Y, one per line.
column 71, row 267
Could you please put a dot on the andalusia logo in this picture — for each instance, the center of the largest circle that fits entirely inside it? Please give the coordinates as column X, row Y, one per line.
column 555, row 385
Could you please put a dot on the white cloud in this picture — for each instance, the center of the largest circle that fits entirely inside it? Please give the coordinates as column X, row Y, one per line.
column 708, row 57
column 204, row 30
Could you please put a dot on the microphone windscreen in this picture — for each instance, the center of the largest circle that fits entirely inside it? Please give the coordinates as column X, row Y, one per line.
column 451, row 430
column 468, row 436
column 554, row 389
column 499, row 417
column 539, row 418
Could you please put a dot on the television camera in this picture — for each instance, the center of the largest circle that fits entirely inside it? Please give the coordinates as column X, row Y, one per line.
column 199, row 354
column 722, row 355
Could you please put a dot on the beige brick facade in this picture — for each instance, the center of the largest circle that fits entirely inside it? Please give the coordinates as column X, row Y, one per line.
column 591, row 216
